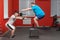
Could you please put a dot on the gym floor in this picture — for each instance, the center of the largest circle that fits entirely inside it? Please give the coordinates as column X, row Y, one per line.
column 23, row 34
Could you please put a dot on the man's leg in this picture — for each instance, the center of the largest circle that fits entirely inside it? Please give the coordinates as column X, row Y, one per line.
column 36, row 22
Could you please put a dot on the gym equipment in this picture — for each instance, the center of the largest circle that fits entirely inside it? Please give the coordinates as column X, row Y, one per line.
column 55, row 22
column 33, row 32
column 21, row 14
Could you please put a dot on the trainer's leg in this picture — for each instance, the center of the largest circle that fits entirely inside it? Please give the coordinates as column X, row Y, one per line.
column 36, row 22
column 12, row 28
column 12, row 32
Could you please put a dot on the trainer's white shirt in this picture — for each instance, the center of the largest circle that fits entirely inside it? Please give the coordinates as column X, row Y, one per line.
column 11, row 20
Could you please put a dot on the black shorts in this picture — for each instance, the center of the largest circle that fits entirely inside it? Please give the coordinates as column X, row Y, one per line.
column 40, row 17
column 10, row 26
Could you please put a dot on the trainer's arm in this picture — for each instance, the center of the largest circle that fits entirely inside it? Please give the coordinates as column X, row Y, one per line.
column 19, row 17
column 27, row 9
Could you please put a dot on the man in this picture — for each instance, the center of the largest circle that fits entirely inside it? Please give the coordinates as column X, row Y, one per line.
column 10, row 22
column 39, row 13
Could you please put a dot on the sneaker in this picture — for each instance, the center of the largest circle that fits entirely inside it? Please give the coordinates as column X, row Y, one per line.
column 38, row 27
column 13, row 36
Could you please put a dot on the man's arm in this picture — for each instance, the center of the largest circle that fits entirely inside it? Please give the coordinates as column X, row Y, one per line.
column 26, row 9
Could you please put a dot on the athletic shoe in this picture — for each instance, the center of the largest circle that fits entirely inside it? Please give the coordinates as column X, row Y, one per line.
column 13, row 36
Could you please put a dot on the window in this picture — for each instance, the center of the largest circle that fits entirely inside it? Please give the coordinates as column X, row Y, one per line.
column 55, row 7
column 25, row 4
column 5, row 9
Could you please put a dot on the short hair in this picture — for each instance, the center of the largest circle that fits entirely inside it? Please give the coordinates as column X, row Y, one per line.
column 32, row 3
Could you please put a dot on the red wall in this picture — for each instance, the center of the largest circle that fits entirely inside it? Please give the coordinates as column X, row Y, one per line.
column 14, row 5
column 1, row 14
column 10, row 11
column 47, row 20
column 46, row 6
